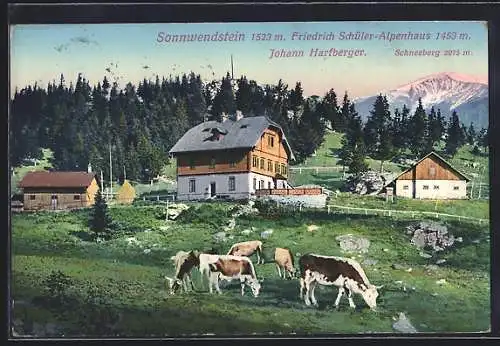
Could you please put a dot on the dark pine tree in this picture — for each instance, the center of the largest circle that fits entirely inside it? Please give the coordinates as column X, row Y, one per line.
column 377, row 131
column 454, row 135
column 418, row 134
column 244, row 96
column 471, row 134
column 330, row 109
column 398, row 131
column 353, row 150
column 100, row 220
column 434, row 130
column 442, row 125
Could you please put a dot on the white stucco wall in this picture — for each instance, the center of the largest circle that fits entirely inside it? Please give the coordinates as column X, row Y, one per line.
column 243, row 185
column 311, row 201
column 401, row 192
column 202, row 186
column 266, row 180
column 445, row 191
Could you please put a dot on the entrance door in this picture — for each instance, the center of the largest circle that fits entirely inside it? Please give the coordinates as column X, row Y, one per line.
column 212, row 189
column 53, row 202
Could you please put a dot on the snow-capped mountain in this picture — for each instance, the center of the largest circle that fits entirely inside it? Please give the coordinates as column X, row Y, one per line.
column 448, row 91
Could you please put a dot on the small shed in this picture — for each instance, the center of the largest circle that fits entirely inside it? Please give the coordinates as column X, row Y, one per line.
column 126, row 194
column 431, row 177
column 58, row 190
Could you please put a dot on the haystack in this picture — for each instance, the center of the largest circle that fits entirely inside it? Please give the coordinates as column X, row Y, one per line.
column 126, row 194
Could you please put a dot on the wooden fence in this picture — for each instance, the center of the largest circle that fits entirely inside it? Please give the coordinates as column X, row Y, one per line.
column 316, row 169
column 393, row 212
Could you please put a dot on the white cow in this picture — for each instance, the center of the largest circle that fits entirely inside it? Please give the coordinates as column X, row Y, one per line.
column 229, row 268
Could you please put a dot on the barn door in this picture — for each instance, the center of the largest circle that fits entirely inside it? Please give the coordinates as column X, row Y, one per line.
column 53, row 202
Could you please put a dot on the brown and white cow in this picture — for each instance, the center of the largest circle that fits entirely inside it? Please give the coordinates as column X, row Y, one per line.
column 184, row 262
column 228, row 267
column 283, row 258
column 247, row 249
column 344, row 273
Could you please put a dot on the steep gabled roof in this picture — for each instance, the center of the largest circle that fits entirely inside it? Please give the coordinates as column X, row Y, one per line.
column 56, row 179
column 432, row 153
column 244, row 133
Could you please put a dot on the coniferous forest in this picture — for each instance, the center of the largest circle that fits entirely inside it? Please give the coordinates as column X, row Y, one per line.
column 81, row 123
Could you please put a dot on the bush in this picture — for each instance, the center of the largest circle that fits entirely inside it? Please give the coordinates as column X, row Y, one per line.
column 58, row 285
column 211, row 214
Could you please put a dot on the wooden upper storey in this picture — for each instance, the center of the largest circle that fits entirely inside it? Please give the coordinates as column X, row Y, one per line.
column 268, row 157
column 431, row 168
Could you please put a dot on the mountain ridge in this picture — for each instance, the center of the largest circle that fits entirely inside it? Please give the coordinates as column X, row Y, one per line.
column 448, row 91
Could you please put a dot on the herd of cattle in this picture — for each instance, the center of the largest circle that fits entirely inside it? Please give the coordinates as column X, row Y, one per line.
column 344, row 273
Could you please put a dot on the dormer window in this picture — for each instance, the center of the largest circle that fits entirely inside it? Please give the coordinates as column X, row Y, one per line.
column 217, row 133
column 244, row 126
column 270, row 141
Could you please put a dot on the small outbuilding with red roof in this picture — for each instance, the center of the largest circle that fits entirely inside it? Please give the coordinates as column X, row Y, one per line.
column 58, row 190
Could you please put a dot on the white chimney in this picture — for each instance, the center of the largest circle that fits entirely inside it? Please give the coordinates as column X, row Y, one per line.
column 239, row 115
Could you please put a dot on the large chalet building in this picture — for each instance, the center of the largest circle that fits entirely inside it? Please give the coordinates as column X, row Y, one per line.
column 231, row 159
column 431, row 177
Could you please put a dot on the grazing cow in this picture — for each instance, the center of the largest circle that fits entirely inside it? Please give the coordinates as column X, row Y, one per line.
column 284, row 259
column 247, row 249
column 184, row 263
column 344, row 273
column 229, row 267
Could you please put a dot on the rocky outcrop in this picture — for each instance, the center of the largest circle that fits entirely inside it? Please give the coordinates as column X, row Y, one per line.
column 430, row 236
column 367, row 183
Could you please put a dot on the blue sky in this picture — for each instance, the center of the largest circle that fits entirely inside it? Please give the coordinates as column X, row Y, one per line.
column 40, row 53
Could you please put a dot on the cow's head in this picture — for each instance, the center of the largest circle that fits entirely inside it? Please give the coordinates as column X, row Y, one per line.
column 173, row 284
column 255, row 287
column 370, row 296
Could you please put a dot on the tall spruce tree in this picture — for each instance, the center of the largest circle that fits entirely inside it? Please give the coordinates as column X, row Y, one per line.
column 418, row 128
column 330, row 109
column 377, row 131
column 471, row 134
column 397, row 131
column 454, row 135
column 100, row 221
column 353, row 150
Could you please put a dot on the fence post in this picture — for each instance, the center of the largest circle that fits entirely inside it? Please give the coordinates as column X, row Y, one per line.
column 328, row 209
column 366, row 211
column 157, row 197
column 144, row 198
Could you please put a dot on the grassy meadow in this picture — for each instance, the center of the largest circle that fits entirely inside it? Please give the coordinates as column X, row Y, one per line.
column 117, row 288
column 64, row 284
